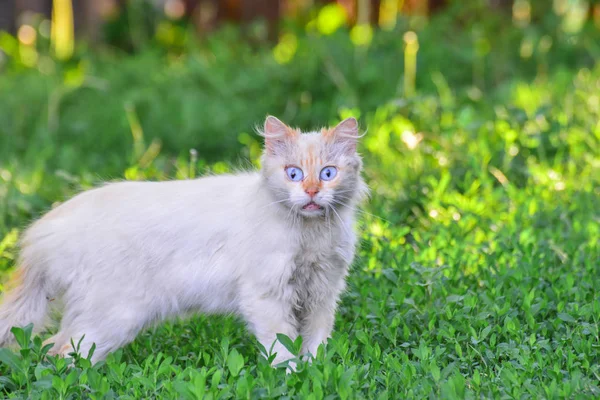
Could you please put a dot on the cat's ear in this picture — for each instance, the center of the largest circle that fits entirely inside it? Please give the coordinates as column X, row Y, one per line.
column 345, row 135
column 277, row 134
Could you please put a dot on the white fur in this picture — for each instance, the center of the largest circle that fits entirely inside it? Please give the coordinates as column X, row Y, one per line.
column 127, row 255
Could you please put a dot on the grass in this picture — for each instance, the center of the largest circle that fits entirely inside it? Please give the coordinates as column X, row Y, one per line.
column 479, row 267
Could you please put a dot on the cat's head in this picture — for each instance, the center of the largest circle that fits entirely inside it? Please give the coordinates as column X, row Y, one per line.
column 315, row 172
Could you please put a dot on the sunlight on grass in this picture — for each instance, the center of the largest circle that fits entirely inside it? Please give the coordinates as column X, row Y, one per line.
column 286, row 48
column 530, row 97
column 27, row 45
column 361, row 35
column 522, row 13
column 574, row 15
column 331, row 18
column 75, row 76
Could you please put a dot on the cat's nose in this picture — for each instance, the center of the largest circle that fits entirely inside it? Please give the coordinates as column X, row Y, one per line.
column 311, row 191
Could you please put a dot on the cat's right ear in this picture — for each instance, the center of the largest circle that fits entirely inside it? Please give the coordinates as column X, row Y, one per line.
column 277, row 134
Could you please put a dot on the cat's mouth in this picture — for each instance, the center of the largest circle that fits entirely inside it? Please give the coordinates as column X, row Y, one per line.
column 311, row 206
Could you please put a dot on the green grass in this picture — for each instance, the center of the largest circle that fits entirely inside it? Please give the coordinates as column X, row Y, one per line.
column 479, row 269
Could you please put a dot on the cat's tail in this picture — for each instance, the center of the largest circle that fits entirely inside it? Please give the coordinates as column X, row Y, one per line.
column 26, row 303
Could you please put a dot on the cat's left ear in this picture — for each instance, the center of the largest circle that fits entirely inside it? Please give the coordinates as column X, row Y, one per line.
column 345, row 134
column 277, row 134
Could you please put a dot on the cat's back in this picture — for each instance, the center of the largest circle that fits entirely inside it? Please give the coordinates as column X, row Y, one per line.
column 136, row 196
column 133, row 207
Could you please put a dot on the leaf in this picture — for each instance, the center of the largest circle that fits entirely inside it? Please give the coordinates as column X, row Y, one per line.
column 184, row 390
column 216, row 379
column 390, row 275
column 454, row 298
column 93, row 379
column 567, row 318
column 71, row 378
column 345, row 383
column 485, row 332
column 84, row 363
column 6, row 382
column 362, row 337
column 91, row 352
column 242, row 387
column 286, row 342
column 44, row 383
column 9, row 358
column 58, row 384
column 298, row 345
column 235, row 362
column 22, row 335
column 435, row 371
column 262, row 349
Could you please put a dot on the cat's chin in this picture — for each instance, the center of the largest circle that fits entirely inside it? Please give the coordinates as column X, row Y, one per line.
column 312, row 213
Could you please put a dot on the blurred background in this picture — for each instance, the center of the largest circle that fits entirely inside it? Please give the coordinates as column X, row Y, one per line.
column 453, row 93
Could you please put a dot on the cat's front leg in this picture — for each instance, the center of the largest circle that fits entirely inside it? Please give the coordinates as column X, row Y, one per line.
column 318, row 315
column 267, row 316
column 317, row 323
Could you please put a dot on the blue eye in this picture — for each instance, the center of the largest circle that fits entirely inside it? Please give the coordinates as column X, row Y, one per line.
column 328, row 173
column 294, row 173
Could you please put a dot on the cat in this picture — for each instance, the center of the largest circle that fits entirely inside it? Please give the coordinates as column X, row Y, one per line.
column 272, row 246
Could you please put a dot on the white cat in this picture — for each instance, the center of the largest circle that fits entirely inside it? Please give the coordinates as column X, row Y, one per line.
column 273, row 247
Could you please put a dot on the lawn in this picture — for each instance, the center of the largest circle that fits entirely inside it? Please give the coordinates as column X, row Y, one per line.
column 478, row 274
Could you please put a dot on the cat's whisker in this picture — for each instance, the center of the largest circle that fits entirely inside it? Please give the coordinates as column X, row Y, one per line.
column 346, row 199
column 328, row 218
column 338, row 192
column 291, row 215
column 337, row 201
column 280, row 192
column 275, row 202
column 360, row 211
column 342, row 196
column 346, row 191
column 341, row 221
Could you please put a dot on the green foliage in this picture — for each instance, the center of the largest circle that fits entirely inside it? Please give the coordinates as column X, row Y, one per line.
column 478, row 271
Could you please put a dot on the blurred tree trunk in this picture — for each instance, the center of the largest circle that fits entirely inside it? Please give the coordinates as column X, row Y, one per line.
column 436, row 6
column 594, row 12
column 11, row 10
column 505, row 5
column 190, row 7
column 415, row 7
column 43, row 7
column 351, row 7
column 231, row 9
column 208, row 14
column 267, row 9
column 295, row 8
column 8, row 16
column 88, row 19
column 374, row 15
